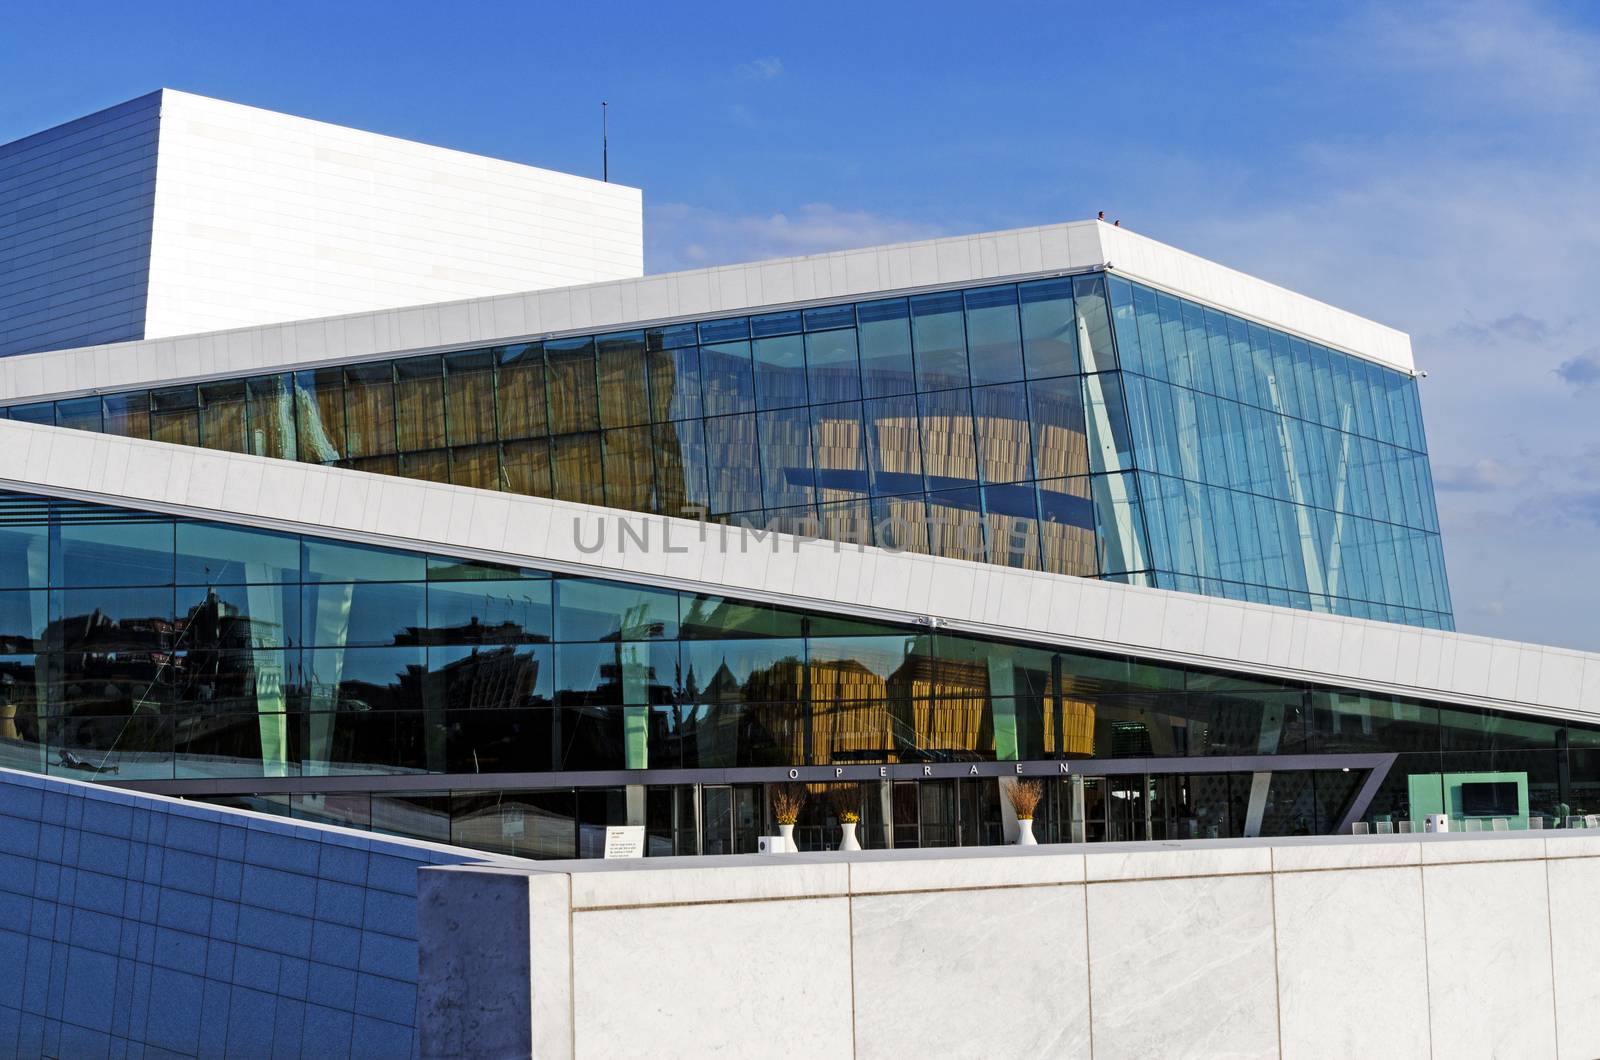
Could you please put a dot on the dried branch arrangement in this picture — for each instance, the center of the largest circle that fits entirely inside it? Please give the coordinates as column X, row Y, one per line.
column 1024, row 797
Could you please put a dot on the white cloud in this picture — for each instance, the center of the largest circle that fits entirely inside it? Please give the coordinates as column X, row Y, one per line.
column 1483, row 475
column 680, row 236
column 764, row 69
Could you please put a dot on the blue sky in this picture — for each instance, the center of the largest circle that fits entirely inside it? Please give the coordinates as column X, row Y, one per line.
column 1431, row 166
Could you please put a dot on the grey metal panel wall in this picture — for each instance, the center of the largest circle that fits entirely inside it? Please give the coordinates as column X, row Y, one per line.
column 138, row 925
column 77, row 204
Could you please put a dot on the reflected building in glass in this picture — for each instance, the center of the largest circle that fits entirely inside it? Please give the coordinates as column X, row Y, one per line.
column 899, row 525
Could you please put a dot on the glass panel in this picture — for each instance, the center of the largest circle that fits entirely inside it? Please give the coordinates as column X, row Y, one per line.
column 885, row 337
column 323, row 560
column 733, row 464
column 489, row 612
column 522, row 403
column 604, row 611
column 42, row 413
column 127, row 415
column 726, row 378
column 674, row 383
column 1059, row 443
column 624, row 391
column 993, row 338
column 477, row 466
column 839, row 444
column 949, row 453
column 955, row 525
column 1067, row 527
column 1011, row 519
column 425, row 467
column 1002, row 424
column 175, row 415
column 525, row 468
column 574, row 400
column 894, row 445
column 420, row 406
column 1049, row 328
column 369, row 411
column 939, row 337
column 630, row 470
column 220, row 554
column 319, row 414
column 679, row 450
column 469, row 397
column 786, row 458
column 271, row 417
column 121, row 553
column 780, row 365
column 79, row 414
column 575, row 466
column 1094, row 323
column 832, row 366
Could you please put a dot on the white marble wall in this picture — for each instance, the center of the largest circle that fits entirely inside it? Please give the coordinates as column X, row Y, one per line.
column 1322, row 947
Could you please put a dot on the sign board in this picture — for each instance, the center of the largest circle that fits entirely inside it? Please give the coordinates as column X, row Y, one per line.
column 625, row 841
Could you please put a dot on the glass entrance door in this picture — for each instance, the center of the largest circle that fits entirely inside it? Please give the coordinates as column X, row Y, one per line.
column 1127, row 808
column 730, row 817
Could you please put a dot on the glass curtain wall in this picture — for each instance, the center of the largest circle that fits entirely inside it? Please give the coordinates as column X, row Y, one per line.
column 957, row 423
column 137, row 646
column 1276, row 470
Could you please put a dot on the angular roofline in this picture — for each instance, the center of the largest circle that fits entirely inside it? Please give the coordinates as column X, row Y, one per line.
column 697, row 294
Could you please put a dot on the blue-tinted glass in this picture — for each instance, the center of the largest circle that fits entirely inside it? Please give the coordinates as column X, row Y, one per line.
column 1322, row 373
column 25, row 553
column 714, row 331
column 219, row 554
column 680, row 457
column 671, row 337
column 885, row 338
column 369, row 614
column 780, row 370
column 598, row 610
column 131, row 552
column 838, row 442
column 1107, row 423
column 1049, row 328
column 1152, row 349
column 1173, row 341
column 733, row 463
column 786, row 323
column 949, row 453
column 824, row 318
column 1124, row 322
column 994, row 341
column 726, row 378
column 1001, row 412
column 1055, row 410
column 674, row 383
column 1120, row 523
column 489, row 612
column 1244, row 372
column 79, row 414
column 1011, row 524
column 1199, row 357
column 939, row 338
column 1222, row 376
column 329, row 561
column 833, row 370
column 1095, row 348
column 41, row 412
column 786, row 458
column 894, row 445
column 1283, row 375
column 955, row 525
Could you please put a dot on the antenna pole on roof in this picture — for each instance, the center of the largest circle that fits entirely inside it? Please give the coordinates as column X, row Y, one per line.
column 605, row 151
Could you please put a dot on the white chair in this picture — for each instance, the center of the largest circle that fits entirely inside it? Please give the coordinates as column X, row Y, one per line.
column 1536, row 824
column 1358, row 828
column 1385, row 828
column 1574, row 822
column 1591, row 820
column 1474, row 825
column 1405, row 827
column 1500, row 824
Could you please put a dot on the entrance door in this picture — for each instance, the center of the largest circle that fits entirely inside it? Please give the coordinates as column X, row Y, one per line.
column 1127, row 808
column 730, row 817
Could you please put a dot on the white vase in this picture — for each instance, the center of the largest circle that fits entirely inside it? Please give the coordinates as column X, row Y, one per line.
column 1025, row 832
column 847, row 840
column 787, row 832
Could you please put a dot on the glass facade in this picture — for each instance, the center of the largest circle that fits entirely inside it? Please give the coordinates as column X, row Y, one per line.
column 1275, row 470
column 139, row 647
column 1079, row 425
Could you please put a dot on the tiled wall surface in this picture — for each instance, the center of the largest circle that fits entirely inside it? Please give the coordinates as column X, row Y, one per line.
column 76, row 204
column 1392, row 946
column 135, row 925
